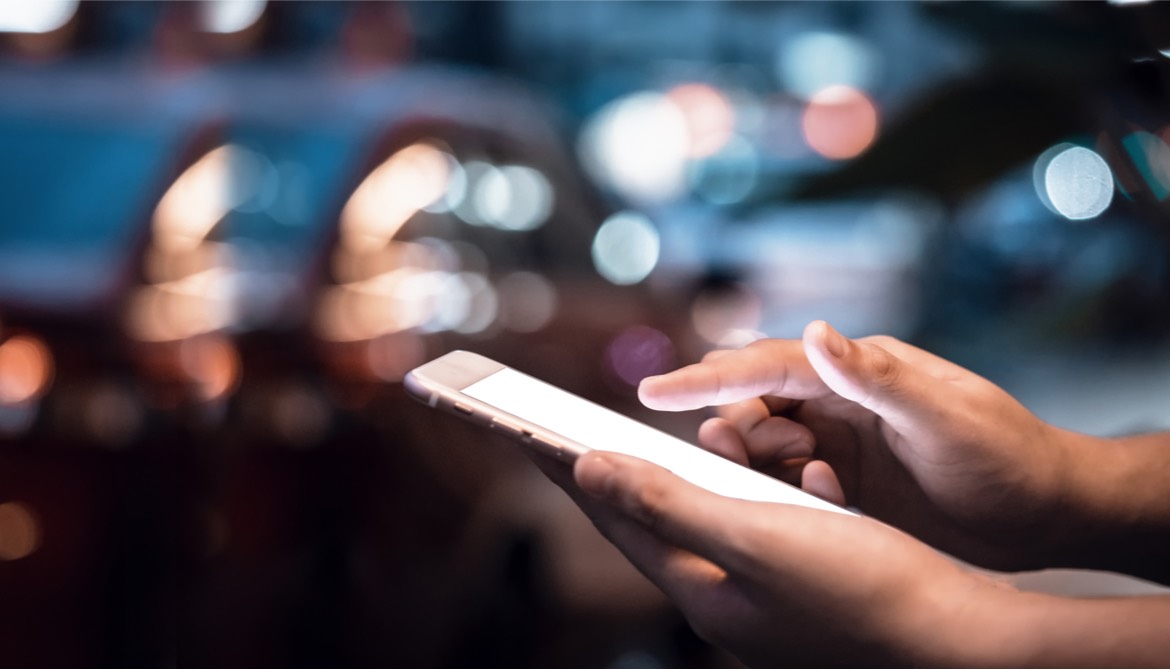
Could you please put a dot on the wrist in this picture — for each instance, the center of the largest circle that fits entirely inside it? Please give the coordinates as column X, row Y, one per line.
column 964, row 624
column 1048, row 517
column 1113, row 510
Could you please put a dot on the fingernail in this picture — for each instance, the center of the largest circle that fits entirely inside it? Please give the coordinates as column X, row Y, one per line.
column 595, row 475
column 835, row 342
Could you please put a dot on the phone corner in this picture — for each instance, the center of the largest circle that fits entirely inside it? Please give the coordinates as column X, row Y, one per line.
column 417, row 390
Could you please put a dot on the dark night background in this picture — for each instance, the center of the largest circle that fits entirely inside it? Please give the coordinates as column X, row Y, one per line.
column 227, row 229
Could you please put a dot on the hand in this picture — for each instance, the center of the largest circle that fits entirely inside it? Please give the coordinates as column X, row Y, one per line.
column 904, row 435
column 781, row 585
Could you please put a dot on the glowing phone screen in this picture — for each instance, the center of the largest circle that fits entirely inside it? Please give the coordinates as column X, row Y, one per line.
column 596, row 427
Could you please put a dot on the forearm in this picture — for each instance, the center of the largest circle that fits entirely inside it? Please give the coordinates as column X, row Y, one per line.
column 1036, row 630
column 1118, row 505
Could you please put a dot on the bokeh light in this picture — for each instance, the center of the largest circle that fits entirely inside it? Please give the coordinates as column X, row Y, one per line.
column 813, row 61
column 196, row 201
column 514, row 197
column 229, row 16
column 625, row 249
column 408, row 181
column 389, row 302
column 840, row 122
column 638, row 146
column 482, row 306
column 20, row 531
column 709, row 117
column 198, row 303
column 1073, row 181
column 470, row 207
column 26, row 369
column 350, row 266
column 35, row 16
column 193, row 284
column 442, row 299
column 639, row 352
column 456, row 187
column 213, row 363
column 528, row 301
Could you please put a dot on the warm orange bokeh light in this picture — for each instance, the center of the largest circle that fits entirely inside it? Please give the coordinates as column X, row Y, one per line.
column 840, row 122
column 197, row 200
column 408, row 181
column 195, row 304
column 709, row 117
column 20, row 532
column 26, row 368
column 212, row 362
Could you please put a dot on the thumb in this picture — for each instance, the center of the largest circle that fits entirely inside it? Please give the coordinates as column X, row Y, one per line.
column 674, row 510
column 906, row 396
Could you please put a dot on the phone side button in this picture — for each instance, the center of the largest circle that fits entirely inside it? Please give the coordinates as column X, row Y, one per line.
column 464, row 409
column 546, row 447
column 506, row 429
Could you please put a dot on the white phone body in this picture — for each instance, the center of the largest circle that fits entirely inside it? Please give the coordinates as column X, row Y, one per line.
column 564, row 426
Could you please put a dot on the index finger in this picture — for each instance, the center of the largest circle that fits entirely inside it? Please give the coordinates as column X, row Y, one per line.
column 764, row 367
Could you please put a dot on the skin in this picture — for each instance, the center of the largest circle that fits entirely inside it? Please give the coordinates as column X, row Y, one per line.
column 946, row 456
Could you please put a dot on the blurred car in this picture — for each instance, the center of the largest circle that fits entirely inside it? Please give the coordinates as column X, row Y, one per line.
column 231, row 270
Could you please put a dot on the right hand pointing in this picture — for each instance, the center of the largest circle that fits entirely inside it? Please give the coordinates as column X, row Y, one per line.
column 906, row 436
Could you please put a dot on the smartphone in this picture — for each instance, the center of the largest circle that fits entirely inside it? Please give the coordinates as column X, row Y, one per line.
column 565, row 426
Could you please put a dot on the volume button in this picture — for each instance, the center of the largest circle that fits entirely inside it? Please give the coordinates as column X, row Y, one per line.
column 505, row 428
column 548, row 448
column 464, row 409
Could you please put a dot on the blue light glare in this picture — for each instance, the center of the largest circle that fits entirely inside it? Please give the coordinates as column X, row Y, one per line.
column 35, row 16
column 816, row 60
column 1073, row 182
column 626, row 248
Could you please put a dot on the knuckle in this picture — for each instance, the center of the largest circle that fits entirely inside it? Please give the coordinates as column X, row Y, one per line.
column 648, row 504
column 886, row 370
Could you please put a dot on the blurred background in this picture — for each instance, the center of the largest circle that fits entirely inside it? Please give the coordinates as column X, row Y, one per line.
column 228, row 228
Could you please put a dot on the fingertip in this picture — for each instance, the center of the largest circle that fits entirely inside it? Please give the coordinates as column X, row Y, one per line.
column 839, row 371
column 648, row 391
column 719, row 436
column 669, row 393
column 814, row 331
column 594, row 473
column 711, row 430
column 825, row 339
column 819, row 479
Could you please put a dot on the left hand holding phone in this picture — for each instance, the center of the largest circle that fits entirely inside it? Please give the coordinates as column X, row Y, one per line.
column 782, row 584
